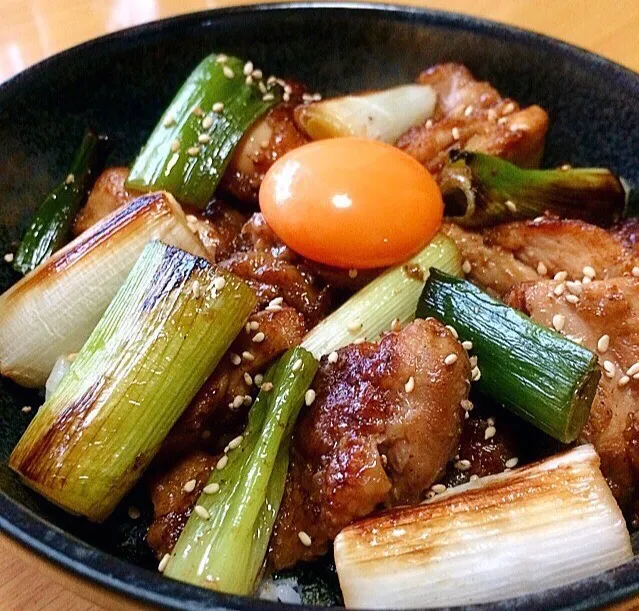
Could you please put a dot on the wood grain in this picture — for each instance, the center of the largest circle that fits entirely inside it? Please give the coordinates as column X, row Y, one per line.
column 31, row 30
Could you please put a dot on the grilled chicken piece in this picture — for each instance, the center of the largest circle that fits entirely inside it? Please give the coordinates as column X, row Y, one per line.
column 172, row 504
column 209, row 414
column 108, row 193
column 608, row 307
column 270, row 138
column 471, row 115
column 385, row 421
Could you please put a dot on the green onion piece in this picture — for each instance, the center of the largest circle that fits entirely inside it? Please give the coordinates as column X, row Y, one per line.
column 225, row 540
column 536, row 373
column 390, row 297
column 192, row 144
column 50, row 227
column 481, row 190
column 159, row 340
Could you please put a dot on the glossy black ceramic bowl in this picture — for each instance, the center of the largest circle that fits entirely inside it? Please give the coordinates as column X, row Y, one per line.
column 121, row 83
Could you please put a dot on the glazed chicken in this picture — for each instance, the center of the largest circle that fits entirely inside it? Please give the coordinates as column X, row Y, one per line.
column 386, row 419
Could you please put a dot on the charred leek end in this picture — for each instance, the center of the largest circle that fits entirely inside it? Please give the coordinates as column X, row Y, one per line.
column 51, row 226
column 52, row 310
column 494, row 549
column 378, row 115
column 190, row 148
column 225, row 540
column 159, row 340
column 391, row 297
column 536, row 373
column 481, row 190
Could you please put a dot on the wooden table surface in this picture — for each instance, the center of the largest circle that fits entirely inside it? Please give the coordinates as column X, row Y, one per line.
column 33, row 29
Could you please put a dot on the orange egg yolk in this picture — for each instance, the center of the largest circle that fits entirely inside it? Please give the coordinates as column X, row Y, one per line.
column 351, row 203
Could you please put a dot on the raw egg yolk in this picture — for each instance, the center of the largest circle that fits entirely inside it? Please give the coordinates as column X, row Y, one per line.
column 351, row 203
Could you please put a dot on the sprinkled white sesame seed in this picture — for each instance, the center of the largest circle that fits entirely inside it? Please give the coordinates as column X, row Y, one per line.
column 429, row 123
column 8, row 257
column 586, row 280
column 410, row 385
column 510, row 205
column 189, row 486
column 175, row 146
column 489, row 433
column 603, row 343
column 633, row 369
column 248, row 68
column 451, row 359
column 352, row 273
column 134, row 512
column 474, row 477
column 332, row 357
column 492, row 114
column 589, row 272
column 202, row 512
column 510, row 107
column 248, row 356
column 635, row 271
column 204, row 138
column 455, row 133
column 164, row 562
column 207, row 122
column 211, row 488
column 235, row 442
column 358, row 341
column 609, row 368
column 276, row 301
column 238, row 400
column 258, row 379
column 573, row 299
column 26, row 409
column 297, row 365
column 69, row 180
column 354, row 326
column 491, row 421
column 438, row 488
column 247, row 378
column 267, row 386
column 304, row 538
column 574, row 287
column 221, row 58
column 222, row 462
column 193, row 151
column 257, row 74
column 467, row 345
column 467, row 267
column 273, row 308
column 228, row 72
column 623, row 381
column 236, row 359
column 542, row 270
column 467, row 405
column 259, row 337
column 309, row 397
column 558, row 322
column 197, row 111
column 169, row 121
column 559, row 289
column 247, row 400
column 468, row 110
column 195, row 289
column 475, row 374
column 396, row 325
column 267, row 97
column 453, row 331
column 561, row 276
column 249, row 80
column 512, row 463
column 271, row 79
column 473, row 361
column 462, row 465
column 219, row 283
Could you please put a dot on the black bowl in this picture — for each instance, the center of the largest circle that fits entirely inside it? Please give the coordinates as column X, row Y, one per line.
column 121, row 82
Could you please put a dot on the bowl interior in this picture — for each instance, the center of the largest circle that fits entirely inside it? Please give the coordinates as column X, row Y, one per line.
column 121, row 83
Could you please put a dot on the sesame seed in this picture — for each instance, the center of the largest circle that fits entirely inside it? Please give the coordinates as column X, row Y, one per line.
column 354, row 326
column 572, row 299
column 438, row 488
column 204, row 138
column 304, row 538
column 257, row 74
column 332, row 357
column 175, row 146
column 248, row 356
column 286, row 97
column 249, row 80
column 297, row 365
column 396, row 325
column 410, row 385
column 307, row 97
column 219, row 283
column 542, row 270
column 271, row 80
column 267, row 386
column 510, row 107
column 236, row 359
column 195, row 289
column 317, row 97
column 512, row 463
column 211, row 488
column 221, row 58
column 586, row 280
column 466, row 266
column 609, row 368
column 134, row 512
column 510, row 205
column 492, row 114
column 222, row 462
column 247, row 378
column 589, row 272
column 633, row 369
column 259, row 337
column 69, row 180
column 475, row 374
column 235, row 442
column 352, row 273
column 558, row 322
column 467, row 405
column 237, row 401
column 559, row 289
column 603, row 343
column 462, row 465
column 248, row 68
column 258, row 379
column 451, row 359
column 473, row 361
column 635, row 271
column 247, row 400
column 276, row 301
column 193, row 151
column 197, row 111
column 207, row 122
column 467, row 345
column 26, row 409
column 309, row 397
column 169, row 121
column 267, row 97
column 453, row 331
column 455, row 133
column 429, row 123
column 8, row 257
column 164, row 562
column 189, row 486
column 623, row 381
column 489, row 433
column 474, row 477
column 273, row 308
column 228, row 72
column 468, row 110
column 202, row 512
column 574, row 287
column 358, row 341
column 561, row 276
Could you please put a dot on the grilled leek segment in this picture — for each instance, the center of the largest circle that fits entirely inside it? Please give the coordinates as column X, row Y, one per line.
column 506, row 535
column 481, row 190
column 53, row 309
column 224, row 543
column 377, row 115
column 390, row 297
column 192, row 144
column 159, row 340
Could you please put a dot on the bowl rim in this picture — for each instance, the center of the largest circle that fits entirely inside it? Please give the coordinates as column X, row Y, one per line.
column 101, row 569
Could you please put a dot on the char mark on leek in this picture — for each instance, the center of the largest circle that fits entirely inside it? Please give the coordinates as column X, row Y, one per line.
column 225, row 540
column 156, row 344
column 536, row 373
column 50, row 227
column 192, row 144
column 481, row 190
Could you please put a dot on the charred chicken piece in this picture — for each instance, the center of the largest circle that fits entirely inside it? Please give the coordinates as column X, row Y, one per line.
column 386, row 419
